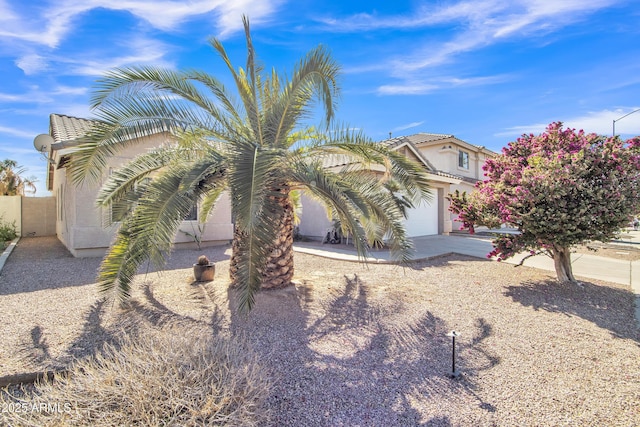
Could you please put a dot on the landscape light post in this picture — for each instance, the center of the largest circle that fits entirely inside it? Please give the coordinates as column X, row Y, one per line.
column 620, row 118
column 454, row 373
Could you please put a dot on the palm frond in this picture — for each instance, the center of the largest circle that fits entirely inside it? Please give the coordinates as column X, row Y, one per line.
column 360, row 153
column 125, row 178
column 134, row 103
column 148, row 232
column 337, row 194
column 244, row 84
column 254, row 205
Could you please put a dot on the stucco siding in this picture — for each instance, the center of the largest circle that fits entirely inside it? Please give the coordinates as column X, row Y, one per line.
column 313, row 220
column 82, row 227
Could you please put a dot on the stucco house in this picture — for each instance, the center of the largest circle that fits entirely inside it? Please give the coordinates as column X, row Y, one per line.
column 452, row 164
column 80, row 224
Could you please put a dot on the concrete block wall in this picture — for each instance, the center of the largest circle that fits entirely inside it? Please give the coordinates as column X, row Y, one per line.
column 38, row 216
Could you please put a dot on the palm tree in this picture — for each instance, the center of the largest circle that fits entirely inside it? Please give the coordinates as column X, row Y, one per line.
column 12, row 183
column 258, row 150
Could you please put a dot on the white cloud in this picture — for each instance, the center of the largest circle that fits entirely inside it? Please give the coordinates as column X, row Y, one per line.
column 516, row 131
column 421, row 88
column 32, row 63
column 34, row 95
column 497, row 18
column 407, row 89
column 230, row 13
column 12, row 149
column 49, row 26
column 478, row 24
column 16, row 132
column 37, row 102
column 408, row 126
column 9, row 97
column 600, row 122
column 68, row 90
column 139, row 51
column 6, row 13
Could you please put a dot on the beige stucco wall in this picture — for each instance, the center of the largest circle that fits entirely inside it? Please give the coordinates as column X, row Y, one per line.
column 65, row 201
column 444, row 157
column 428, row 218
column 38, row 216
column 218, row 227
column 80, row 224
column 11, row 211
column 313, row 220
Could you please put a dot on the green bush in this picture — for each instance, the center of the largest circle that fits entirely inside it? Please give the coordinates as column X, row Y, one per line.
column 8, row 231
column 161, row 377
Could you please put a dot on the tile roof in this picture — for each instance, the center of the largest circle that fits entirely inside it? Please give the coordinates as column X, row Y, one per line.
column 414, row 139
column 337, row 160
column 65, row 129
column 421, row 138
column 454, row 176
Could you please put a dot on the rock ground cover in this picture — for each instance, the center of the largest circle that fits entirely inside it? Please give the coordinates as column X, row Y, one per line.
column 365, row 345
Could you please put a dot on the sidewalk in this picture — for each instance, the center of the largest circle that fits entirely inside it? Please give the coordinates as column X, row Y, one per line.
column 584, row 265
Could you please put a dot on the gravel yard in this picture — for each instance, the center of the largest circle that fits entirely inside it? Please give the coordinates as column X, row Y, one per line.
column 354, row 345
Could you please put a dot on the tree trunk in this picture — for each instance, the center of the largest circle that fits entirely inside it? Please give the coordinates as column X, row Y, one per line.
column 278, row 270
column 562, row 263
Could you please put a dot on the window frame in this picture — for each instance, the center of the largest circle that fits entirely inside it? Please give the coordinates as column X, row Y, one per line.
column 463, row 159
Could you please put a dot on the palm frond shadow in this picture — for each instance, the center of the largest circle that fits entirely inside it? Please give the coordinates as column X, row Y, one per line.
column 607, row 306
column 129, row 320
column 36, row 349
column 443, row 260
column 356, row 344
column 90, row 341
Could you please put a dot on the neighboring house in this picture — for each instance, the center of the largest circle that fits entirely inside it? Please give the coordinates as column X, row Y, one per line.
column 452, row 164
column 80, row 224
column 450, row 155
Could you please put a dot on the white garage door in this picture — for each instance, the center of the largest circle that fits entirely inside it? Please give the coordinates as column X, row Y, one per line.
column 423, row 220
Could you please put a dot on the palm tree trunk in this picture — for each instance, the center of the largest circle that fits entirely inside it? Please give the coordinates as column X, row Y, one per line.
column 278, row 270
column 562, row 263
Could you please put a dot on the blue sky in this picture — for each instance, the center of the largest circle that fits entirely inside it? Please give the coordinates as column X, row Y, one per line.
column 485, row 71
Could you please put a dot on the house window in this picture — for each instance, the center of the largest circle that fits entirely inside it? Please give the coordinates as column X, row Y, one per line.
column 193, row 214
column 463, row 159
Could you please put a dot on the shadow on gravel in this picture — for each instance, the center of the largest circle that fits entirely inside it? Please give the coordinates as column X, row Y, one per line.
column 361, row 363
column 131, row 320
column 90, row 341
column 608, row 307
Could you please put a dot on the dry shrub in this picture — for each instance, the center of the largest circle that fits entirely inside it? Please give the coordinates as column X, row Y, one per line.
column 172, row 377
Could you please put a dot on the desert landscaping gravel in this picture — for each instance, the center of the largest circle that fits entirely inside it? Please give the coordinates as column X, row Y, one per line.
column 356, row 345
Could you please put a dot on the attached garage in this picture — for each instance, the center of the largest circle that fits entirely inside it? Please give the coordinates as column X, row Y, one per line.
column 423, row 219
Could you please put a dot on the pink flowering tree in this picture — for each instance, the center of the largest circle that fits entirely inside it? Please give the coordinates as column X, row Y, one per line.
column 559, row 189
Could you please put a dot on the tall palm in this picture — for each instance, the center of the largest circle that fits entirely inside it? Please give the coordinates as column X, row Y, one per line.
column 259, row 150
column 12, row 183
